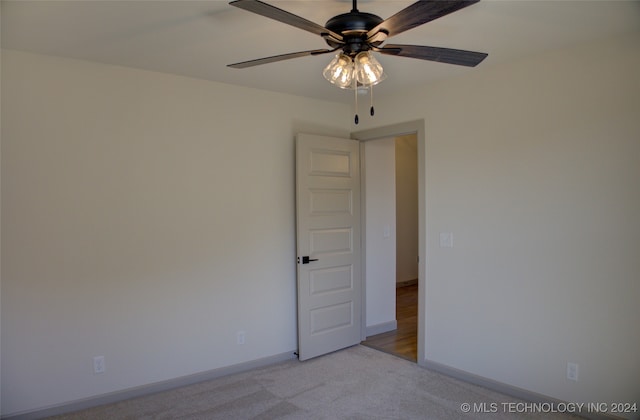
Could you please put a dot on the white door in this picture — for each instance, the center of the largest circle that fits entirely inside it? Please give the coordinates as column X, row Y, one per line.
column 328, row 244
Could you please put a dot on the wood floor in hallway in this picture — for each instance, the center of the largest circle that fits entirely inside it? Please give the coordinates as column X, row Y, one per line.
column 403, row 341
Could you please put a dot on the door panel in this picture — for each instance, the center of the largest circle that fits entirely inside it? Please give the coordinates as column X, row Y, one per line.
column 334, row 279
column 330, row 201
column 331, row 241
column 328, row 232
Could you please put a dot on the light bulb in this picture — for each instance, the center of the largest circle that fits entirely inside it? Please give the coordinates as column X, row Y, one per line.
column 340, row 71
column 369, row 72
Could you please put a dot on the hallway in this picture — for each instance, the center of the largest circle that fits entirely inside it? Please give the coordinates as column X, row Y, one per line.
column 401, row 342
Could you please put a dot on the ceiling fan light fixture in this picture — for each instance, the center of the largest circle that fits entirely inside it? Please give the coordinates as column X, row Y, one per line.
column 340, row 71
column 363, row 68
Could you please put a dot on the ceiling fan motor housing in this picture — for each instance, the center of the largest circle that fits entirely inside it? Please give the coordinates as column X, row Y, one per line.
column 353, row 27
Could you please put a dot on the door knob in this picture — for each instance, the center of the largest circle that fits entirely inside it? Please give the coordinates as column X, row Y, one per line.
column 307, row 260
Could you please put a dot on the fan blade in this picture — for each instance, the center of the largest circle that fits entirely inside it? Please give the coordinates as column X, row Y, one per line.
column 276, row 58
column 443, row 55
column 264, row 9
column 417, row 14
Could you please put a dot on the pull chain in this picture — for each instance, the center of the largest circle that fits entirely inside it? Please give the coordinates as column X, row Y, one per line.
column 355, row 90
column 372, row 110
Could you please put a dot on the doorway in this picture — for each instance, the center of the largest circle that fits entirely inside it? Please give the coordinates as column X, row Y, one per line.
column 391, row 244
column 402, row 341
column 408, row 317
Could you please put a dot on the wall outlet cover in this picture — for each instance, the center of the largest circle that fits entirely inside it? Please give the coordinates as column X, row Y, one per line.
column 98, row 364
column 572, row 371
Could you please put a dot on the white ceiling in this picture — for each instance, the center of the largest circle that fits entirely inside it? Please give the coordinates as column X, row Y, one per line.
column 199, row 38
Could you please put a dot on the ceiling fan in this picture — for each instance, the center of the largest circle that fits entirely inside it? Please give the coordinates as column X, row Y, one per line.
column 357, row 33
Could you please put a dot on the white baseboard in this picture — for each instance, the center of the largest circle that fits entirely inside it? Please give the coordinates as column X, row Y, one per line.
column 382, row 328
column 506, row 389
column 153, row 388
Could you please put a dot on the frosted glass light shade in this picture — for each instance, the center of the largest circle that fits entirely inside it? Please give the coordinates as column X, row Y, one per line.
column 340, row 71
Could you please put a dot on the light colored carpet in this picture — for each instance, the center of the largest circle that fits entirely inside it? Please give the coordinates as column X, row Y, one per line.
column 355, row 383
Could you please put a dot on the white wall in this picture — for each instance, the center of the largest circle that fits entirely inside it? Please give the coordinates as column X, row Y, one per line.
column 534, row 168
column 147, row 218
column 0, row 229
column 123, row 236
column 380, row 214
column 406, row 208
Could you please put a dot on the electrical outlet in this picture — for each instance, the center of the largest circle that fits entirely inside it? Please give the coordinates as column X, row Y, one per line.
column 240, row 337
column 98, row 364
column 572, row 371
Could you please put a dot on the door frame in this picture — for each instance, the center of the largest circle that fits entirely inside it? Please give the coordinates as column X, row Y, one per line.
column 416, row 127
